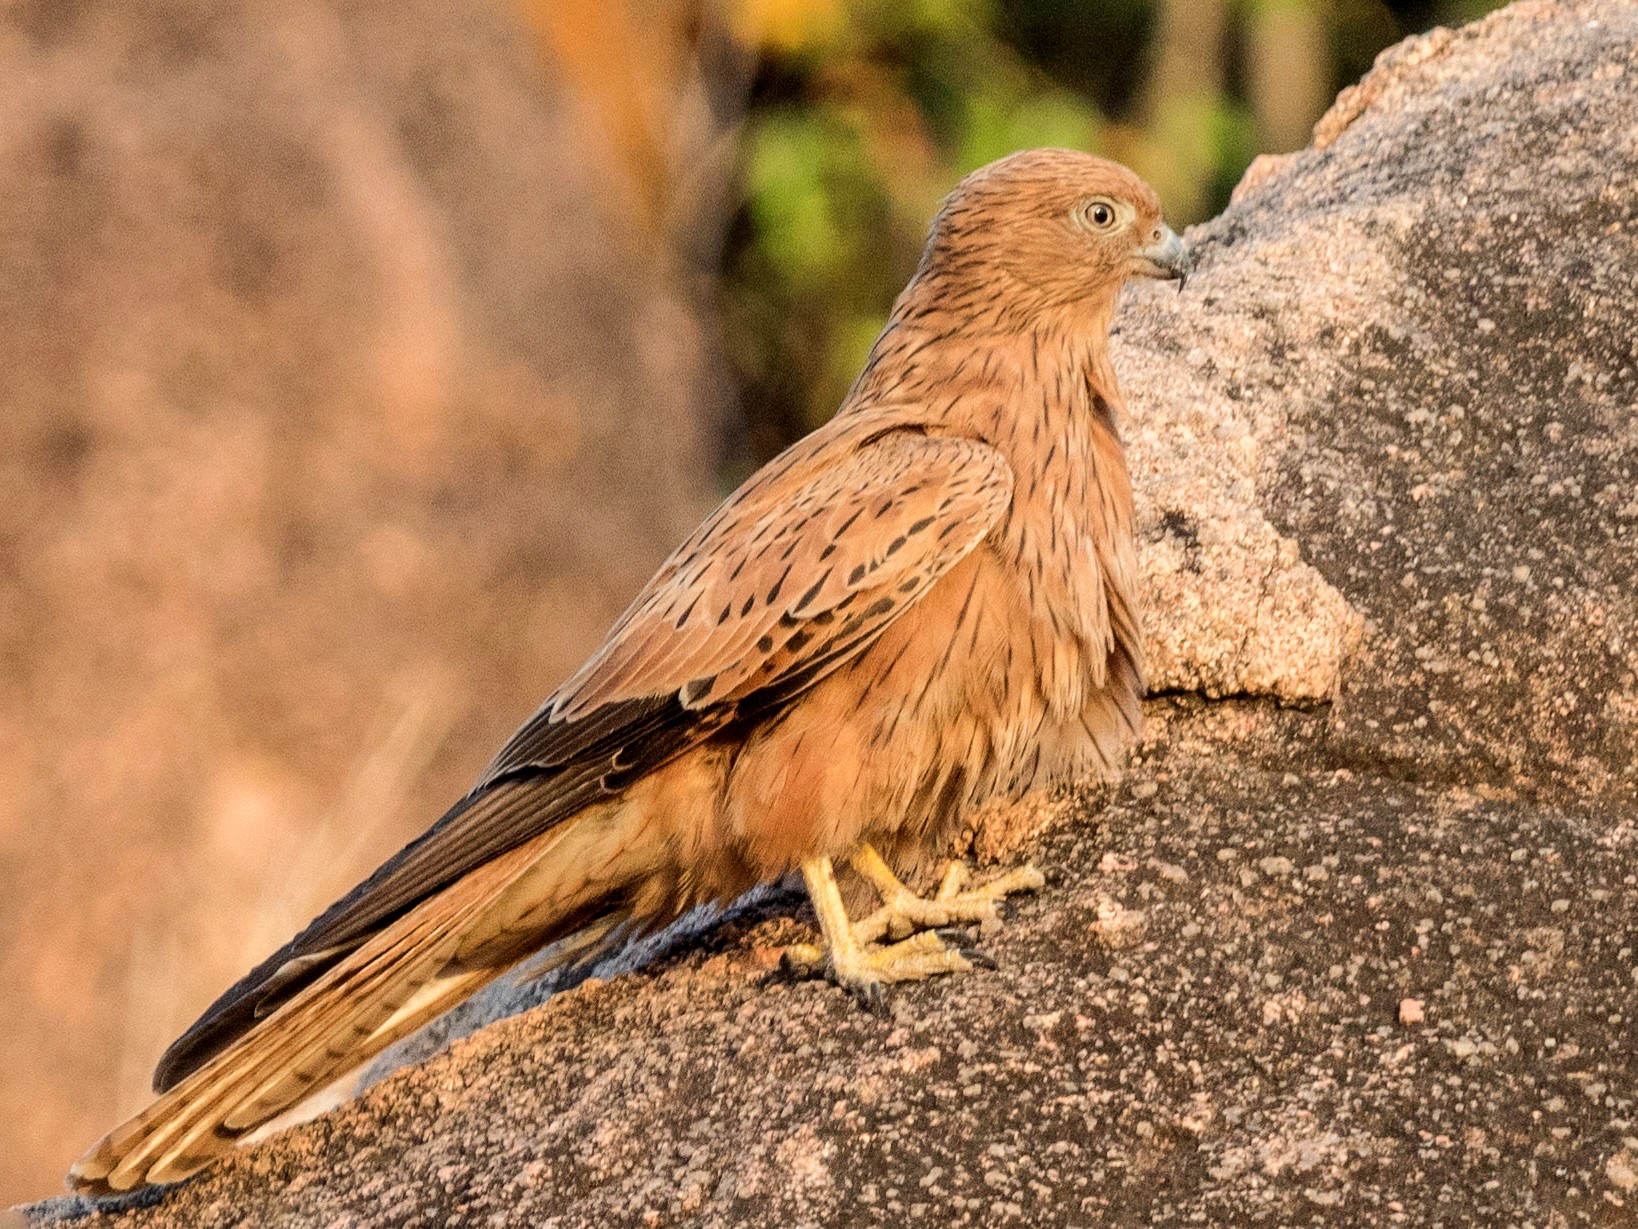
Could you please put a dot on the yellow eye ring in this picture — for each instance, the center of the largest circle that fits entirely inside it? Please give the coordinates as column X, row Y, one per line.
column 1099, row 214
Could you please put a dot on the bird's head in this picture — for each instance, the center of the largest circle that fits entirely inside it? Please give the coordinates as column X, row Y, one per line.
column 1049, row 229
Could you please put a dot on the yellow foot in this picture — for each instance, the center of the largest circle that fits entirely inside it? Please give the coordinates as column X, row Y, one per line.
column 864, row 970
column 953, row 904
column 853, row 955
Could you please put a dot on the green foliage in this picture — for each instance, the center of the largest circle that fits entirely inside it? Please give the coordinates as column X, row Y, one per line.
column 865, row 112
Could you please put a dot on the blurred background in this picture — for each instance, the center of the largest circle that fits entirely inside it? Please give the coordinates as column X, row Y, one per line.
column 362, row 359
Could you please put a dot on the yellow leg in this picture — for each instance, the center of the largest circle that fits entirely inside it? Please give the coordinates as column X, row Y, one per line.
column 852, row 954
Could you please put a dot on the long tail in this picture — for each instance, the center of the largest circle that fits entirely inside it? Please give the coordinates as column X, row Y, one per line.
column 583, row 879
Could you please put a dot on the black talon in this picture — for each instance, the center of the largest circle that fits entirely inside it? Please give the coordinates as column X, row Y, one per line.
column 954, row 935
column 976, row 958
column 784, row 973
column 788, row 968
column 872, row 998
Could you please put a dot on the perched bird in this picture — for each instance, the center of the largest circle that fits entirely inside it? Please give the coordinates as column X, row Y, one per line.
column 926, row 604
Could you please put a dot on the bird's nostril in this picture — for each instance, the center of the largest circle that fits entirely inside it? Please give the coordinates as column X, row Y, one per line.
column 1156, row 235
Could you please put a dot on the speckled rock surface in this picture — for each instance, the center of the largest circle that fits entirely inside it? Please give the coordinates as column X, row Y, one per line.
column 1200, row 1024
column 1360, row 963
column 1412, row 353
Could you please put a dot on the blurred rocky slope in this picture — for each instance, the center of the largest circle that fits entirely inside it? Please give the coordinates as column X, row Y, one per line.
column 344, row 404
column 1352, row 945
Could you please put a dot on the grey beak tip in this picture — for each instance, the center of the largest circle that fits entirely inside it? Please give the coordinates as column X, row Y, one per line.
column 1182, row 262
column 1167, row 259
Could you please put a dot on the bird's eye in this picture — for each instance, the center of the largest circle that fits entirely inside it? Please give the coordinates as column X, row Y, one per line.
column 1098, row 214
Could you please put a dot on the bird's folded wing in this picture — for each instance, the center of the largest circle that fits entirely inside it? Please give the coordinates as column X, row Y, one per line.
column 798, row 571
column 799, row 566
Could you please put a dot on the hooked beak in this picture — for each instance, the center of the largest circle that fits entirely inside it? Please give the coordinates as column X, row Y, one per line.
column 1165, row 258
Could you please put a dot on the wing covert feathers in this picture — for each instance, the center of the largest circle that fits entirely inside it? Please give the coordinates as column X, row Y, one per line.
column 803, row 566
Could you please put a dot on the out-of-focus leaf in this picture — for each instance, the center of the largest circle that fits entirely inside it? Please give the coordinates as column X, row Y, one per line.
column 789, row 25
column 866, row 112
column 1051, row 118
column 795, row 162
